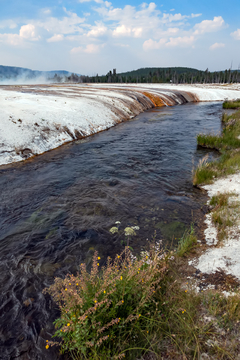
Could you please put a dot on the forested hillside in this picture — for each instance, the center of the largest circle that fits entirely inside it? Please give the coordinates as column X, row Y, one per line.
column 177, row 75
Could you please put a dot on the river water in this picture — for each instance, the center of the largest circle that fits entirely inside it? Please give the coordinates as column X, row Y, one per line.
column 57, row 208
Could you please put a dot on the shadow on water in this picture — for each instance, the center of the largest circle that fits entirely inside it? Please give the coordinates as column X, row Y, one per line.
column 58, row 208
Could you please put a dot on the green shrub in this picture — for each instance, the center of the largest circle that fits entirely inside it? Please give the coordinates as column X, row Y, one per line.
column 104, row 312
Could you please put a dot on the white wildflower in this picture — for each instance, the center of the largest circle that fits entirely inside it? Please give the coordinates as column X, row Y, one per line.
column 129, row 231
column 113, row 230
column 135, row 227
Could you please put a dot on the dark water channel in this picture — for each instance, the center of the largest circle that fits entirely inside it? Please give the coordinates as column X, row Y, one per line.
column 58, row 208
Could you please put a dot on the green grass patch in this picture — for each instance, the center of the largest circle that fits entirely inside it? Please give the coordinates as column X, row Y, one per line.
column 228, row 143
column 231, row 104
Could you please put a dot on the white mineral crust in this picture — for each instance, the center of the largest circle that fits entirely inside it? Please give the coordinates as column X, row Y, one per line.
column 38, row 118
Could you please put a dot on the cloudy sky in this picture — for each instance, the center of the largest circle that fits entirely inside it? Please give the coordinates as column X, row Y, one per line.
column 94, row 36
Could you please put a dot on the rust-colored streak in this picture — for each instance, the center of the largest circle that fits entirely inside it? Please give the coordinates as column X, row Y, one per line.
column 157, row 100
column 193, row 96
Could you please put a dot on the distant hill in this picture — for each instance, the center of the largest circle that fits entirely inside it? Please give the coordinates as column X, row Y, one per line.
column 152, row 70
column 176, row 75
column 18, row 73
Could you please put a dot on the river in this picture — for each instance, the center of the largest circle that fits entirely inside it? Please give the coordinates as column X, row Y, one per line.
column 57, row 208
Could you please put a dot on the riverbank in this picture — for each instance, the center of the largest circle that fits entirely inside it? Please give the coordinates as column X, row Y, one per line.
column 212, row 269
column 37, row 118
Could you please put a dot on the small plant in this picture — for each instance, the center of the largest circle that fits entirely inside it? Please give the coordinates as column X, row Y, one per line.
column 220, row 199
column 129, row 231
column 104, row 311
column 187, row 242
column 202, row 173
column 224, row 212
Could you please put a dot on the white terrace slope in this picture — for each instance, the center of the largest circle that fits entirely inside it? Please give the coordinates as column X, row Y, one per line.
column 38, row 118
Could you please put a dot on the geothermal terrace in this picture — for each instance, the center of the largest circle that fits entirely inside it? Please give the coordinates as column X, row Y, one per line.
column 38, row 118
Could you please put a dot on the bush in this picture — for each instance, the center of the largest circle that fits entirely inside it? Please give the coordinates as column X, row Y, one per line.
column 106, row 312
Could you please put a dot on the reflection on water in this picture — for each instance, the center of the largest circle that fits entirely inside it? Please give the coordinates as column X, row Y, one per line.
column 58, row 208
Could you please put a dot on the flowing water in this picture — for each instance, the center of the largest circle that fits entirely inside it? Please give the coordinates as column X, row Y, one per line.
column 56, row 209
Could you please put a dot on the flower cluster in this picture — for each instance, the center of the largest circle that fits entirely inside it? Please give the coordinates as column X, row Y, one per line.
column 98, row 306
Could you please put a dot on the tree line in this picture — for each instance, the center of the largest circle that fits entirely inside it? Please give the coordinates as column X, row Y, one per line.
column 157, row 75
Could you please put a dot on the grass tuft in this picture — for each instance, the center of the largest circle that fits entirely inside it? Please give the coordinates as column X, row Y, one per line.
column 235, row 104
column 187, row 242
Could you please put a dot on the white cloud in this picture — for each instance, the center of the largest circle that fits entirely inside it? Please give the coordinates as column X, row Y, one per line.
column 92, row 49
column 129, row 14
column 236, row 34
column 153, row 45
column 168, row 18
column 89, row 49
column 129, row 21
column 76, row 50
column 195, row 15
column 142, row 22
column 11, row 39
column 67, row 25
column 122, row 30
column 28, row 32
column 8, row 24
column 98, row 30
column 107, row 3
column 216, row 46
column 172, row 31
column 51, row 28
column 207, row 26
column 184, row 41
column 56, row 38
column 46, row 11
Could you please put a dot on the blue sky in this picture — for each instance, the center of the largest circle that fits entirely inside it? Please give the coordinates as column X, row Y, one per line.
column 90, row 37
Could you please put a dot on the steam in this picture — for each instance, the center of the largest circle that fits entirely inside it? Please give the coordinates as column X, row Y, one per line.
column 10, row 75
column 24, row 80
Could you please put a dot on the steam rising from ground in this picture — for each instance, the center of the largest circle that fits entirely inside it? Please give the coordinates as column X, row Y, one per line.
column 25, row 80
